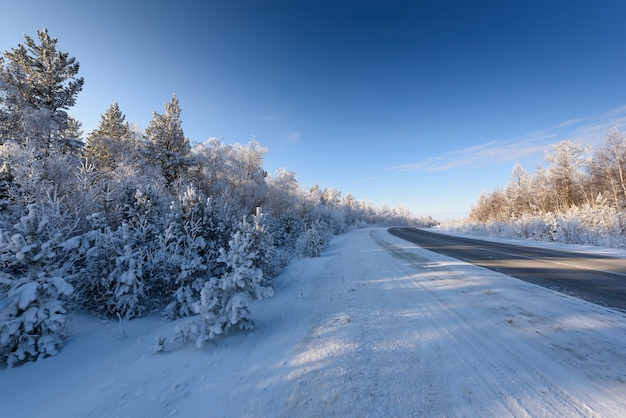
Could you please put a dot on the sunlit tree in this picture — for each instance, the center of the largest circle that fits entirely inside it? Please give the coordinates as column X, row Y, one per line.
column 38, row 84
column 167, row 146
column 608, row 168
column 110, row 141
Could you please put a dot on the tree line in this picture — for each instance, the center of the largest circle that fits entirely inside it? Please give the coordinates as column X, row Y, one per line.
column 577, row 196
column 126, row 221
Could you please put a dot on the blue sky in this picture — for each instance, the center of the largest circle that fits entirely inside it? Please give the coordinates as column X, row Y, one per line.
column 419, row 103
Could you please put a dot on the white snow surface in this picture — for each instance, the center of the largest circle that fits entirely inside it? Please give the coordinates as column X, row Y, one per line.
column 375, row 327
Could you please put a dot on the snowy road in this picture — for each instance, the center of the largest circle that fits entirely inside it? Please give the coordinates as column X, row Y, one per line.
column 416, row 336
column 594, row 277
column 376, row 327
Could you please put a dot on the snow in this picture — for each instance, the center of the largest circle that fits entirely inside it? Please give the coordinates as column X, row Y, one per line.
column 374, row 327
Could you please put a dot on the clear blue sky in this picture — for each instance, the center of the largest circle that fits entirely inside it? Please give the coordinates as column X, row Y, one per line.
column 419, row 103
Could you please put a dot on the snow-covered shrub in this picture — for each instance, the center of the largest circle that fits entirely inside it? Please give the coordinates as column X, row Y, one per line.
column 225, row 300
column 117, row 264
column 315, row 239
column 111, row 280
column 263, row 244
column 601, row 225
column 6, row 184
column 197, row 228
column 32, row 290
column 286, row 230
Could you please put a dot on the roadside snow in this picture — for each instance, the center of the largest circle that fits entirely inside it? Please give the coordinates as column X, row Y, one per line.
column 375, row 327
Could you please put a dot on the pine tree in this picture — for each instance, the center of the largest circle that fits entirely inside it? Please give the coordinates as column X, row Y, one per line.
column 73, row 135
column 32, row 288
column 187, row 251
column 118, row 264
column 111, row 281
column 263, row 244
column 110, row 141
column 226, row 297
column 37, row 81
column 168, row 148
column 225, row 300
column 315, row 239
column 197, row 228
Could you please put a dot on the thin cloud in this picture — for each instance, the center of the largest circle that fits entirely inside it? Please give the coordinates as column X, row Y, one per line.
column 271, row 117
column 480, row 155
column 582, row 130
column 367, row 179
column 293, row 136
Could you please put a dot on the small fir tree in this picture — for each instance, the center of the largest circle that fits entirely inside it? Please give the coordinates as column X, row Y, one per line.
column 188, row 251
column 32, row 291
column 225, row 300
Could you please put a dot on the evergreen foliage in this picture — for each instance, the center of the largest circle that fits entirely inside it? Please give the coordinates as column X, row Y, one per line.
column 168, row 148
column 111, row 141
column 198, row 227
column 225, row 300
column 32, row 290
column 39, row 82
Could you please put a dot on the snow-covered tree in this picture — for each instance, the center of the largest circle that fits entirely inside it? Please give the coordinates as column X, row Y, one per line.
column 111, row 141
column 197, row 228
column 32, row 290
column 287, row 229
column 118, row 263
column 315, row 239
column 6, row 184
column 263, row 245
column 284, row 194
column 167, row 146
column 232, row 172
column 37, row 80
column 565, row 163
column 225, row 299
column 111, row 281
column 608, row 168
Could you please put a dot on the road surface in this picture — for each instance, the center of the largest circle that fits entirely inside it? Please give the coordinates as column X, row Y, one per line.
column 596, row 278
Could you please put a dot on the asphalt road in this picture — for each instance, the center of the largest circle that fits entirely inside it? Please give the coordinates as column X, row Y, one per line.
column 595, row 278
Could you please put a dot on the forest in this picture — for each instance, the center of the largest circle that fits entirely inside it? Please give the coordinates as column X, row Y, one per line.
column 128, row 221
column 578, row 196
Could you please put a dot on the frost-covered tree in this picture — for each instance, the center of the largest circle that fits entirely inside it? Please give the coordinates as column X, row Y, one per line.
column 111, row 141
column 233, row 172
column 32, row 290
column 287, row 229
column 118, row 264
column 6, row 184
column 565, row 163
column 197, row 228
column 315, row 239
column 263, row 243
column 608, row 169
column 111, row 281
column 284, row 194
column 518, row 191
column 167, row 146
column 225, row 299
column 38, row 82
